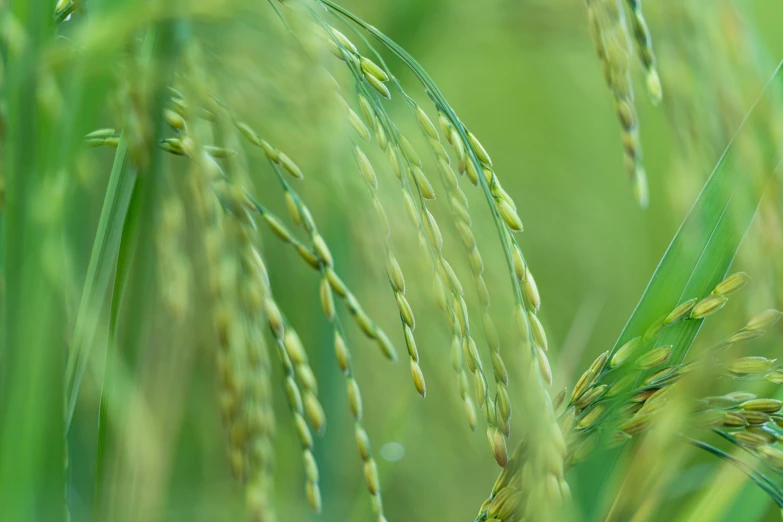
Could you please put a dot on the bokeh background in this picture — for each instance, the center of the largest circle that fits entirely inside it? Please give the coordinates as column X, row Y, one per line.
column 524, row 76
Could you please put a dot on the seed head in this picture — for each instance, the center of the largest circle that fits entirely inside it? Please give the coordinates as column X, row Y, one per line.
column 749, row 438
column 322, row 251
column 654, row 89
column 591, row 417
column 341, row 351
column 591, row 396
column 470, row 170
column 395, row 273
column 708, row 306
column 499, row 367
column 762, row 405
column 636, row 424
column 427, row 192
column 755, row 418
column 336, row 282
column 654, row 330
column 509, row 215
column 327, row 299
column 293, row 209
column 371, row 476
column 539, row 335
column 378, row 85
column 498, row 445
column 382, row 138
column 293, row 347
column 764, row 319
column 581, row 386
column 385, row 344
column 625, row 351
column 480, row 387
column 313, row 493
column 559, row 399
column 543, row 363
column 680, row 312
column 654, row 357
column 775, row 377
column 405, row 310
column 358, row 125
column 452, row 278
column 371, row 68
column 274, row 317
column 290, row 167
column 744, row 335
column 418, row 378
column 731, row 284
column 344, row 41
column 366, row 168
column 468, row 239
column 278, row 228
column 445, row 126
column 598, row 365
column 294, row 396
column 479, row 149
column 425, row 123
column 621, row 385
column 750, row 365
column 315, row 412
column 520, row 318
column 409, row 151
column 303, row 432
column 354, row 398
column 734, row 420
column 471, row 354
column 531, row 291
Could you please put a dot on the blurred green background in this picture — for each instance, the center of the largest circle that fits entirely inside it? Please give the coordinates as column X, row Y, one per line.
column 523, row 76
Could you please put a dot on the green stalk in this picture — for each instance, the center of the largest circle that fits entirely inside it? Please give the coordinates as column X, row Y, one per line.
column 125, row 256
column 32, row 485
column 133, row 312
column 761, row 480
column 99, row 274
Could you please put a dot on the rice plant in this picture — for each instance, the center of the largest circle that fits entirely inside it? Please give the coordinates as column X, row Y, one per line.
column 256, row 265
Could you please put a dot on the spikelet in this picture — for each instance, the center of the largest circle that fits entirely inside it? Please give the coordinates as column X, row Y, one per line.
column 365, row 167
column 479, row 149
column 654, row 358
column 654, row 330
column 331, row 283
column 371, row 68
column 239, row 286
column 750, row 365
column 324, row 263
column 426, row 124
column 590, row 418
column 358, row 125
column 708, row 306
column 404, row 159
column 644, row 46
column 763, row 320
column 681, row 312
column 762, row 405
column 625, row 351
column 458, row 206
column 612, row 42
column 731, row 284
column 423, row 183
